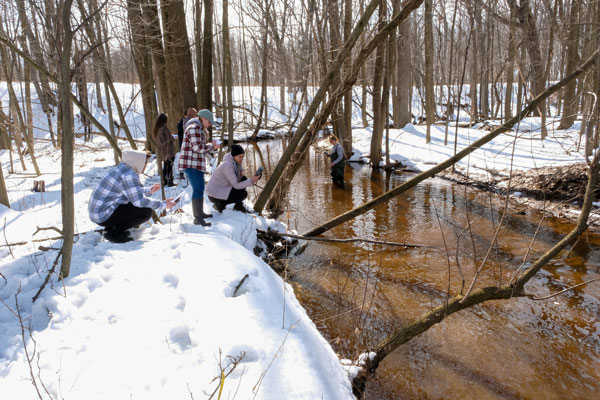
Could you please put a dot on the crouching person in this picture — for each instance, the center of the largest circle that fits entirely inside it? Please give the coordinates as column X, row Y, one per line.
column 120, row 202
column 228, row 184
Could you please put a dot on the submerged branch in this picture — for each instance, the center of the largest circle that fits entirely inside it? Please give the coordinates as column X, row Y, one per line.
column 347, row 240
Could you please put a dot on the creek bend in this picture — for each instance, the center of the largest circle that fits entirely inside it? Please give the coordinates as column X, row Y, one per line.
column 356, row 293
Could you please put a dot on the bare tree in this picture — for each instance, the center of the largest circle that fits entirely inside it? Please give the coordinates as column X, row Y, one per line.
column 429, row 89
column 67, row 141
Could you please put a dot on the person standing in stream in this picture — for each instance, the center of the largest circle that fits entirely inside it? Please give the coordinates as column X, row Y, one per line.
column 338, row 161
column 193, row 159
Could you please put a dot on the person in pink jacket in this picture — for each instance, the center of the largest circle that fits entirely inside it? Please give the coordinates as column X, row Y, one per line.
column 228, row 184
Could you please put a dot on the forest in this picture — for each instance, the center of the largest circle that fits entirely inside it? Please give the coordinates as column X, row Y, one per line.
column 413, row 89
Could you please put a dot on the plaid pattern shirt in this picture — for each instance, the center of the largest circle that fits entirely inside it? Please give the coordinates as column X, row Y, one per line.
column 194, row 150
column 120, row 186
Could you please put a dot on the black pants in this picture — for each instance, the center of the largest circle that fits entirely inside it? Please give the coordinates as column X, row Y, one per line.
column 235, row 196
column 168, row 172
column 127, row 216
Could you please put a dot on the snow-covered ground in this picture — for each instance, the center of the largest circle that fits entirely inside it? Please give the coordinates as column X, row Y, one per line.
column 153, row 318
column 407, row 145
column 160, row 317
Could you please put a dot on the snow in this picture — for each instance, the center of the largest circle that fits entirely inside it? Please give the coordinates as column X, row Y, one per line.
column 407, row 145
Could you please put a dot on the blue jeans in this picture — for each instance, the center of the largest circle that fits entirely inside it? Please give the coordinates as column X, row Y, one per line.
column 196, row 179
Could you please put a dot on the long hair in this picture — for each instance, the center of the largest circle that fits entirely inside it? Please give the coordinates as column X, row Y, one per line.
column 160, row 121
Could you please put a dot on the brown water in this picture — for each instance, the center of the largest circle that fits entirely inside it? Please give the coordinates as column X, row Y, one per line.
column 358, row 293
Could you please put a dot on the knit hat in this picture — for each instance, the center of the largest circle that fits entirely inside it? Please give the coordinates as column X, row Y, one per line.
column 236, row 150
column 204, row 113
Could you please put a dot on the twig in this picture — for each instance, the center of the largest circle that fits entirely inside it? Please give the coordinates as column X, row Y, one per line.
column 239, row 285
column 49, row 228
column 7, row 244
column 47, row 277
column 562, row 291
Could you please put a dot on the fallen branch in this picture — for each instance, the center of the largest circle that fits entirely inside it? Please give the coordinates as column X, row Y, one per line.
column 335, row 240
column 34, row 298
column 50, row 238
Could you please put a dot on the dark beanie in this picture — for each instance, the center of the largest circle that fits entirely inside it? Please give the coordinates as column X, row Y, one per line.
column 236, row 150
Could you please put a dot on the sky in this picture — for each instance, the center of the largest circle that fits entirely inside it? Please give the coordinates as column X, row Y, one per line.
column 159, row 317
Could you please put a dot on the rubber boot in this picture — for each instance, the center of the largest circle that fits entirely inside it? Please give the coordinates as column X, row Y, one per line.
column 239, row 206
column 204, row 215
column 197, row 208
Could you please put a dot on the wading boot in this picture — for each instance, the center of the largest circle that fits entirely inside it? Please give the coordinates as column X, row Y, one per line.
column 197, row 208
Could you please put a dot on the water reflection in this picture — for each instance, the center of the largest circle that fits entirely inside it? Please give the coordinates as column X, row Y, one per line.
column 357, row 293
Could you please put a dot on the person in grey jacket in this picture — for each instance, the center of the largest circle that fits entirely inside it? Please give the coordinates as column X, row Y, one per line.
column 228, row 184
column 338, row 161
column 120, row 202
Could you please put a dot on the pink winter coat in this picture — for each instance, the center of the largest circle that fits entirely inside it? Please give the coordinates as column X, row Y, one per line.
column 224, row 178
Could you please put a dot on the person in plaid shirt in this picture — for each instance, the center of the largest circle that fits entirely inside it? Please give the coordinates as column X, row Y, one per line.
column 193, row 159
column 120, row 202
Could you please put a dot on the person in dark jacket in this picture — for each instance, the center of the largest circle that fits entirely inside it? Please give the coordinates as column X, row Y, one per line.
column 120, row 202
column 165, row 147
column 188, row 114
column 228, row 184
column 338, row 161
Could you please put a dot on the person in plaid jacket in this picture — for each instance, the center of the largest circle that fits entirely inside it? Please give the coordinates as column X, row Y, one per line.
column 193, row 160
column 120, row 202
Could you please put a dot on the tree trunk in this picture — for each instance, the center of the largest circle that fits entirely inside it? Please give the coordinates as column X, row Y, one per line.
column 264, row 74
column 429, row 60
column 66, row 147
column 143, row 63
column 347, row 139
column 570, row 101
column 179, row 57
column 206, row 80
column 338, row 116
column 378, row 112
column 155, row 48
column 532, row 43
column 227, row 73
column 510, row 67
column 402, row 115
column 198, row 38
column 3, row 193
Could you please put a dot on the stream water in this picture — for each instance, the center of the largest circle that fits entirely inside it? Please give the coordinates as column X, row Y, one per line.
column 357, row 293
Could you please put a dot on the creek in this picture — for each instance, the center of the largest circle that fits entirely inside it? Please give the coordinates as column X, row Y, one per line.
column 357, row 293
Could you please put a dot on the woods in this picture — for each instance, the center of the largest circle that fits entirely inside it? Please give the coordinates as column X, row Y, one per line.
column 304, row 70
